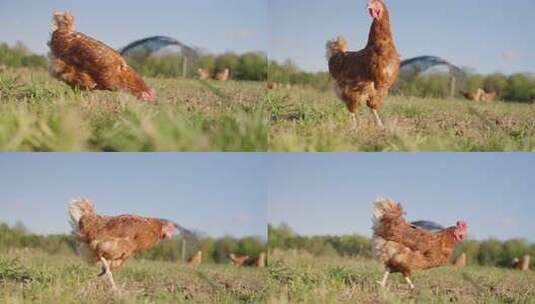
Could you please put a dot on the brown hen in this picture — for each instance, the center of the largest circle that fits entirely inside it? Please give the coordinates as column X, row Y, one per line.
column 195, row 259
column 111, row 240
column 88, row 64
column 245, row 260
column 406, row 248
column 366, row 75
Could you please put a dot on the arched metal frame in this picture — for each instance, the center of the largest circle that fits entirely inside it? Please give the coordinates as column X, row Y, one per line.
column 421, row 64
column 153, row 44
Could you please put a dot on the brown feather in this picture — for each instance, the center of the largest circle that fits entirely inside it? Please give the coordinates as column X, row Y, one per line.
column 245, row 260
column 89, row 64
column 405, row 248
column 115, row 238
column 365, row 75
column 195, row 259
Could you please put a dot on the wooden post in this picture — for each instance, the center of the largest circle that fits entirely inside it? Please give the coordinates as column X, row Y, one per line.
column 452, row 86
column 184, row 66
column 183, row 250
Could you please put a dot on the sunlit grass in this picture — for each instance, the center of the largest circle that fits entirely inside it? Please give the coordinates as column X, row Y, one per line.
column 304, row 119
column 37, row 277
column 298, row 277
column 38, row 113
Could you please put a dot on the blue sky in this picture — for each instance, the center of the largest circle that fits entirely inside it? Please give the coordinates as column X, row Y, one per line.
column 214, row 25
column 333, row 193
column 486, row 35
column 218, row 194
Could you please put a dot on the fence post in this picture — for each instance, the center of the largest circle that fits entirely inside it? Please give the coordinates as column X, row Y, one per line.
column 184, row 66
column 452, row 86
column 183, row 250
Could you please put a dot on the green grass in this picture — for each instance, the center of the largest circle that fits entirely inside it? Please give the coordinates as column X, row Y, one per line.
column 36, row 277
column 301, row 278
column 38, row 113
column 308, row 120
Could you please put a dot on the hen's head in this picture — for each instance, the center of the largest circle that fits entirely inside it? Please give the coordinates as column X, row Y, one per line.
column 376, row 8
column 168, row 230
column 63, row 21
column 461, row 230
column 149, row 96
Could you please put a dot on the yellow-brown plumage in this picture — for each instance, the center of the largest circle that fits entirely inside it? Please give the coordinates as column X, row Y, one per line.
column 111, row 240
column 405, row 248
column 88, row 64
column 195, row 259
column 365, row 75
column 245, row 260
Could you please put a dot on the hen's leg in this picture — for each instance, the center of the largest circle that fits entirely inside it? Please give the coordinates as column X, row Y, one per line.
column 383, row 282
column 108, row 273
column 377, row 118
column 409, row 282
column 352, row 107
column 353, row 118
column 374, row 102
column 102, row 271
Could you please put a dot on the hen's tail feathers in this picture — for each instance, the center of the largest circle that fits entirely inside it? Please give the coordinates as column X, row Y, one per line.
column 336, row 46
column 79, row 207
column 63, row 21
column 384, row 208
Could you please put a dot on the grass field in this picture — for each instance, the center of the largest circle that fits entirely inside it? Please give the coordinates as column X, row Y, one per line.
column 302, row 278
column 34, row 277
column 309, row 120
column 38, row 113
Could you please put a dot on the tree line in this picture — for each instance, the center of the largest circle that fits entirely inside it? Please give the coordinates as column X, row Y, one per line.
column 517, row 87
column 250, row 66
column 488, row 252
column 253, row 66
column 214, row 250
column 19, row 55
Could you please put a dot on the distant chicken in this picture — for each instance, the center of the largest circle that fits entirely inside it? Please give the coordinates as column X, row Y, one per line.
column 406, row 248
column 238, row 260
column 195, row 259
column 480, row 95
column 245, row 260
column 259, row 261
column 460, row 261
column 203, row 74
column 222, row 75
column 366, row 75
column 522, row 263
column 111, row 240
column 88, row 64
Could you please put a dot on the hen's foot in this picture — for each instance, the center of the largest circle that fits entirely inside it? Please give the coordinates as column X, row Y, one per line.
column 411, row 286
column 106, row 266
column 383, row 281
column 378, row 120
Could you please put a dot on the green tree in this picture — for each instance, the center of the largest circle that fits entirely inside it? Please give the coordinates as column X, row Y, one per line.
column 490, row 252
column 495, row 83
column 520, row 88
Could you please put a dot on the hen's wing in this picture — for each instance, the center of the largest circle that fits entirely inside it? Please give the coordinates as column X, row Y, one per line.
column 396, row 229
column 90, row 56
column 76, row 78
column 85, row 52
column 350, row 67
column 114, row 248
